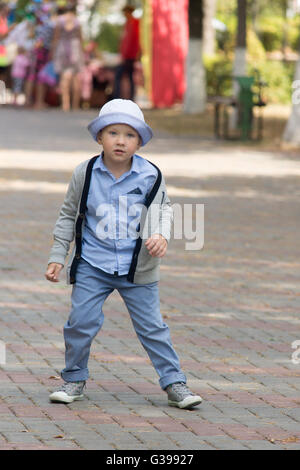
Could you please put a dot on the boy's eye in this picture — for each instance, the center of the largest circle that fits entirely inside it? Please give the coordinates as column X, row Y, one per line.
column 131, row 135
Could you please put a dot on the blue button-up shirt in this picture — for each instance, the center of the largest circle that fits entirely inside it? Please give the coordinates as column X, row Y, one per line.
column 113, row 213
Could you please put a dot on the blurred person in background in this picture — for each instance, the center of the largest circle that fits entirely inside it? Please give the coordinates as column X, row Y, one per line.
column 46, row 76
column 5, row 29
column 92, row 63
column 19, row 72
column 68, row 58
column 130, row 52
column 43, row 34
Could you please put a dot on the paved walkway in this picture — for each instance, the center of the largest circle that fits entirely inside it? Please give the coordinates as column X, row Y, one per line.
column 233, row 307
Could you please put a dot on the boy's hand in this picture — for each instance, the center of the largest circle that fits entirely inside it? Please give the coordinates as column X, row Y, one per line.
column 157, row 245
column 52, row 273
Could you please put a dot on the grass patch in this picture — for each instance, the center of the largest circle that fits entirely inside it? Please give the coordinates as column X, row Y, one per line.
column 175, row 122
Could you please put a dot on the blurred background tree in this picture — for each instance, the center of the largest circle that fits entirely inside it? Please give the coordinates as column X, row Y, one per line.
column 195, row 95
column 273, row 32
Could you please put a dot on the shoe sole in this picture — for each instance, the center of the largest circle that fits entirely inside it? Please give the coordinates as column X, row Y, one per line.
column 188, row 402
column 62, row 397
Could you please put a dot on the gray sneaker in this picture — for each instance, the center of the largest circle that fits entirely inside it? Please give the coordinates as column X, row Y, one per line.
column 68, row 392
column 179, row 395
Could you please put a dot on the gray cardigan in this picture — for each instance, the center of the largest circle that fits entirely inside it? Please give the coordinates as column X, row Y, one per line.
column 156, row 218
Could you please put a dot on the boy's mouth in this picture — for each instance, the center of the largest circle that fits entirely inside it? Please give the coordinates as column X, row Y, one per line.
column 119, row 151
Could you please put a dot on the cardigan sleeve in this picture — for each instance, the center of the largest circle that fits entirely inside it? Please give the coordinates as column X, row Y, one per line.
column 63, row 233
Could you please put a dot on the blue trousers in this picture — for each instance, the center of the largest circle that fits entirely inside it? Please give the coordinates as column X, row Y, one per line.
column 125, row 68
column 91, row 289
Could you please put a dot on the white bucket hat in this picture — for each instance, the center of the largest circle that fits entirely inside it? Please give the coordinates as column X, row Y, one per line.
column 120, row 111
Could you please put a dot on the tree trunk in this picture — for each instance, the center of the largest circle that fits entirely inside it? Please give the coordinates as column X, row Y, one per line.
column 240, row 64
column 291, row 133
column 254, row 12
column 208, row 29
column 195, row 95
column 285, row 29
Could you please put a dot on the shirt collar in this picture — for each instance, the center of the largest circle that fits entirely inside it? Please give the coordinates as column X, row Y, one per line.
column 135, row 167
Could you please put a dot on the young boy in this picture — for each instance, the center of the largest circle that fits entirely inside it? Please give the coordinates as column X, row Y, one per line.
column 110, row 209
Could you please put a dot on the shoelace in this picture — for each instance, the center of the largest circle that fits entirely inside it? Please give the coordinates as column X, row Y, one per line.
column 180, row 387
column 71, row 387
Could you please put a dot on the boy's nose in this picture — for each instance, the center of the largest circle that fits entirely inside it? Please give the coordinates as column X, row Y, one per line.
column 121, row 139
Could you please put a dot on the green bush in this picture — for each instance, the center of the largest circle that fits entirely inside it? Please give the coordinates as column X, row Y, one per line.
column 255, row 49
column 270, row 31
column 109, row 37
column 293, row 34
column 218, row 75
column 226, row 39
column 279, row 78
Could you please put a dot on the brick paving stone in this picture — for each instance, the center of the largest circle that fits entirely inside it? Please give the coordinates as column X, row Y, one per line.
column 24, row 437
column 203, row 428
column 293, row 413
column 240, row 431
column 28, row 446
column 166, row 424
column 60, row 412
column 156, row 440
column 95, row 416
column 278, row 434
column 260, row 445
column 60, row 444
column 186, row 440
column 30, row 411
column 11, row 424
column 89, row 442
column 225, row 443
column 282, row 402
column 232, row 308
column 131, row 421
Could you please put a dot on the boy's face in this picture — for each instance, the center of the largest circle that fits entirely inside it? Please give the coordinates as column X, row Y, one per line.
column 120, row 142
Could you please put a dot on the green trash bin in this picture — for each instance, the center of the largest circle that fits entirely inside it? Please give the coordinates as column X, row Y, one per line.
column 245, row 103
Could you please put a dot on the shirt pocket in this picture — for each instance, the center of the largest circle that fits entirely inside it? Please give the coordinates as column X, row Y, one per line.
column 132, row 198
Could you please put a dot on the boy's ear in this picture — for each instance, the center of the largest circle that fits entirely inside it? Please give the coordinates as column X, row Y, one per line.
column 99, row 139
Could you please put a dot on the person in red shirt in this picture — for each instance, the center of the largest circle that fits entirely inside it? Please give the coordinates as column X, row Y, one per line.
column 5, row 29
column 129, row 50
